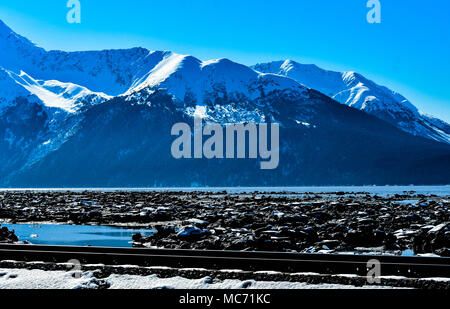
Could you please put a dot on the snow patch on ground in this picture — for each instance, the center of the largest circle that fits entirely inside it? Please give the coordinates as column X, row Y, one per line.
column 438, row 279
column 39, row 279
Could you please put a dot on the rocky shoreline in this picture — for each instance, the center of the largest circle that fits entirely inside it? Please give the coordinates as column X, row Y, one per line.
column 266, row 221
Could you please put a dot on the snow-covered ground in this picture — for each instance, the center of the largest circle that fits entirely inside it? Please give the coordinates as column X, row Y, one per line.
column 39, row 279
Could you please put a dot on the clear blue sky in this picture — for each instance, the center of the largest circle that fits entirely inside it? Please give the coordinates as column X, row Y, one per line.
column 408, row 52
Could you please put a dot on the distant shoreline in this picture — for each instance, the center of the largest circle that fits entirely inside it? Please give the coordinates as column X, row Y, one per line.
column 435, row 189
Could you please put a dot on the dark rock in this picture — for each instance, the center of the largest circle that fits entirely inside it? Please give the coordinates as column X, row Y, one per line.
column 443, row 252
column 7, row 236
column 192, row 233
column 137, row 237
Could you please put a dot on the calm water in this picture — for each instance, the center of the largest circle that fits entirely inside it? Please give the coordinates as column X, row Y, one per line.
column 75, row 235
column 381, row 190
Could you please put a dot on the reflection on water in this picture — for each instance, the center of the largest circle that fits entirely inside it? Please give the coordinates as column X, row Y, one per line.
column 76, row 235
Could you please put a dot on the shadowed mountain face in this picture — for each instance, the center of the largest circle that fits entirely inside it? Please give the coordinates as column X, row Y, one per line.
column 99, row 119
column 122, row 143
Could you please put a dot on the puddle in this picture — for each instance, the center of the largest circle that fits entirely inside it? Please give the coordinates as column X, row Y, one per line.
column 76, row 235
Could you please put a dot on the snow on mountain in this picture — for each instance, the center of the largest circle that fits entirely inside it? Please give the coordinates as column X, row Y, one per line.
column 10, row 90
column 123, row 72
column 111, row 72
column 74, row 94
column 217, row 90
column 440, row 127
column 189, row 79
column 52, row 94
column 65, row 79
column 356, row 91
column 69, row 81
column 327, row 82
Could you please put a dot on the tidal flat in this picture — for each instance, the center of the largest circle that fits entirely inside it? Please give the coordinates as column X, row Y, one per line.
column 327, row 222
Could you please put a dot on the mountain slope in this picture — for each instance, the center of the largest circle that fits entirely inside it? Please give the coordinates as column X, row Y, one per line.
column 356, row 91
column 322, row 143
column 111, row 72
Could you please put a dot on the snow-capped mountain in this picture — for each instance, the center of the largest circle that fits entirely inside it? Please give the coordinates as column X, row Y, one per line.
column 356, row 91
column 218, row 90
column 104, row 118
column 124, row 72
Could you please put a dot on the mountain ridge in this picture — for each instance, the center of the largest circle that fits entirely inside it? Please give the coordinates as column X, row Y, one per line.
column 122, row 71
column 103, row 118
column 355, row 90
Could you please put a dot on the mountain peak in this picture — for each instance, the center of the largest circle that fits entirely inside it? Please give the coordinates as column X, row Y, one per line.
column 357, row 91
column 289, row 62
column 184, row 75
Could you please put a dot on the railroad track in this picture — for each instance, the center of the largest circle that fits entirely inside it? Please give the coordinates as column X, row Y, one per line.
column 411, row 267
